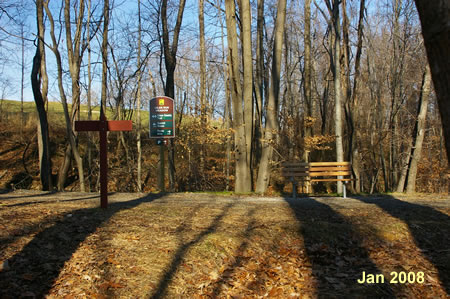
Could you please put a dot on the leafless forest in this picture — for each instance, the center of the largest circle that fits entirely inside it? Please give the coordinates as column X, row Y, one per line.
column 255, row 83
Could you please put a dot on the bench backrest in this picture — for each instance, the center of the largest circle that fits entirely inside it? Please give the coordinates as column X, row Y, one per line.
column 315, row 169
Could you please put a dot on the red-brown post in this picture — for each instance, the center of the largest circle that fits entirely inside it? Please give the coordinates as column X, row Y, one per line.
column 103, row 126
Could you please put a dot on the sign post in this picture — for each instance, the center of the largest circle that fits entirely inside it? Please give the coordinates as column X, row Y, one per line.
column 102, row 126
column 162, row 127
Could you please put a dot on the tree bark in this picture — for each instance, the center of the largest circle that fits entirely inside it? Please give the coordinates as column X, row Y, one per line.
column 170, row 60
column 241, row 175
column 247, row 91
column 105, row 54
column 201, row 21
column 434, row 16
column 272, row 110
column 334, row 14
column 44, row 152
column 67, row 117
column 259, row 84
column 307, row 88
column 75, row 54
column 351, row 105
column 138, row 104
column 419, row 132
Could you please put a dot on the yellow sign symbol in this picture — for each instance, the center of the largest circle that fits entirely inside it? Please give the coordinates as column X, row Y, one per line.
column 161, row 102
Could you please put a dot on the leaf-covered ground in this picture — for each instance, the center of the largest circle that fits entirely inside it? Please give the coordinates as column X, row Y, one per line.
column 185, row 245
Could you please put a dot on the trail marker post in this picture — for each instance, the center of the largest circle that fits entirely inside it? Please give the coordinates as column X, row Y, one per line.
column 162, row 127
column 102, row 126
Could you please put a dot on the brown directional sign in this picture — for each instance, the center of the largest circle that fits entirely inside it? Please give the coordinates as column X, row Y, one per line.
column 102, row 126
column 162, row 117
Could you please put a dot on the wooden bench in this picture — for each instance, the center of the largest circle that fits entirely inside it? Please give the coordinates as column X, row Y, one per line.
column 317, row 172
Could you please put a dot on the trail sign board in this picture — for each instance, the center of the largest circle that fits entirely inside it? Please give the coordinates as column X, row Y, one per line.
column 102, row 126
column 162, row 118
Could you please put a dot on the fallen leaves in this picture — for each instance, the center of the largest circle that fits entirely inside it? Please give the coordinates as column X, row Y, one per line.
column 191, row 251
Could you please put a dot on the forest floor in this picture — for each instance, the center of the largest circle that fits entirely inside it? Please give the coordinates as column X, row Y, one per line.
column 199, row 245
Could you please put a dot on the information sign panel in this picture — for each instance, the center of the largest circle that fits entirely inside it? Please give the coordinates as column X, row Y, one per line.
column 162, row 117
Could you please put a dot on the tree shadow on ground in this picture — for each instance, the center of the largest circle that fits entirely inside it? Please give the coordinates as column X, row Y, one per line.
column 335, row 252
column 6, row 191
column 161, row 288
column 39, row 263
column 238, row 255
column 429, row 228
column 48, row 201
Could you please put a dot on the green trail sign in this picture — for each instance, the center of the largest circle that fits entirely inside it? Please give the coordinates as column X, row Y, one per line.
column 162, row 118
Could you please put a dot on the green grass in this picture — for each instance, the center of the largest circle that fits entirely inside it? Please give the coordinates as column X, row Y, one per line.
column 56, row 112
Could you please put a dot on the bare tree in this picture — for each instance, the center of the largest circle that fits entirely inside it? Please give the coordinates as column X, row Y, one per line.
column 201, row 21
column 241, row 167
column 138, row 104
column 272, row 109
column 333, row 9
column 36, row 74
column 170, row 60
column 434, row 16
column 419, row 131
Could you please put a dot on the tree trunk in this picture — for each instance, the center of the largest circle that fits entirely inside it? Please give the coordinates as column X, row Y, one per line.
column 419, row 131
column 44, row 152
column 351, row 104
column 170, row 52
column 74, row 55
column 259, row 85
column 201, row 21
column 272, row 110
column 138, row 104
column 334, row 14
column 89, row 98
column 434, row 16
column 247, row 91
column 241, row 176
column 104, row 54
column 68, row 121
column 307, row 88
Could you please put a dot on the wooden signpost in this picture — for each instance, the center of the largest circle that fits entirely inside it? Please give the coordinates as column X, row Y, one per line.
column 102, row 126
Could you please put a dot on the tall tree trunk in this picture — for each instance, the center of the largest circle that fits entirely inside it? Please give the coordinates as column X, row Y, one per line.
column 105, row 54
column 334, row 14
column 227, row 110
column 434, row 16
column 241, row 176
column 272, row 110
column 247, row 90
column 307, row 88
column 36, row 73
column 89, row 97
column 201, row 21
column 170, row 52
column 138, row 104
column 259, row 84
column 419, row 132
column 74, row 55
column 351, row 105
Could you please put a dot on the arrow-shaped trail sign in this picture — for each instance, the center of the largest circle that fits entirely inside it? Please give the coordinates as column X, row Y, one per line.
column 102, row 126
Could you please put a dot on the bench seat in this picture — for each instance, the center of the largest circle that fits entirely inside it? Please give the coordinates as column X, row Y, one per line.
column 317, row 172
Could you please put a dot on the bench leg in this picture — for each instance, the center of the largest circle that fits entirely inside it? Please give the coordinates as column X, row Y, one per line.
column 294, row 188
column 344, row 191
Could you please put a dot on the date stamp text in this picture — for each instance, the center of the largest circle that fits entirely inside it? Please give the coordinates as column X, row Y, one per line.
column 395, row 277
